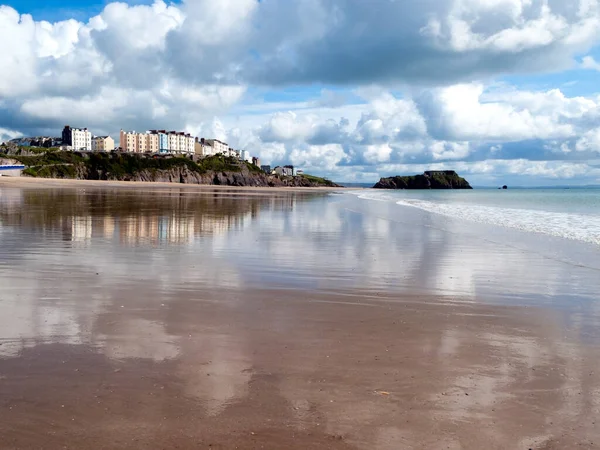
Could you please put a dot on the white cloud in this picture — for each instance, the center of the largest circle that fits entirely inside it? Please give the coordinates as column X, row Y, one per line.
column 590, row 141
column 450, row 150
column 321, row 157
column 463, row 115
column 589, row 62
column 7, row 135
column 377, row 153
column 285, row 126
column 513, row 26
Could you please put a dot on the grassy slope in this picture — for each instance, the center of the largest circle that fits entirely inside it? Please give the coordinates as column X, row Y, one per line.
column 64, row 164
column 46, row 163
column 318, row 180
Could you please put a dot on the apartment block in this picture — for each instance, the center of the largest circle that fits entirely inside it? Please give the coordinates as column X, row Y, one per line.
column 103, row 144
column 128, row 141
column 153, row 142
column 218, row 147
column 173, row 140
column 162, row 138
column 157, row 141
column 77, row 138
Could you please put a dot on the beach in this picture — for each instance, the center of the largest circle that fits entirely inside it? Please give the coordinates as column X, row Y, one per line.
column 25, row 182
column 177, row 316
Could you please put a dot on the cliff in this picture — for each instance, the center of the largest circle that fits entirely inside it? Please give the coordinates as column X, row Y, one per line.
column 215, row 170
column 447, row 179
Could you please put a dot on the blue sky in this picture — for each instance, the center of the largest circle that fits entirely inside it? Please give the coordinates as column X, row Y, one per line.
column 353, row 90
column 55, row 10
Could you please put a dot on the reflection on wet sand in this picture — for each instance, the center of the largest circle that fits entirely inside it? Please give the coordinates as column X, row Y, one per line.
column 171, row 319
column 137, row 217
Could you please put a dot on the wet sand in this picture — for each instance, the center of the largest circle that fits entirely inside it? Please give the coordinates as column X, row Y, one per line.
column 168, row 320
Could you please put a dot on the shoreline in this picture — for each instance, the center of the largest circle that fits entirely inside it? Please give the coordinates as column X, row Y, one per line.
column 59, row 182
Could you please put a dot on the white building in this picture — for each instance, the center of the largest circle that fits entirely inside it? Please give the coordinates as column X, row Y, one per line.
column 245, row 156
column 181, row 143
column 191, row 144
column 173, row 141
column 287, row 171
column 211, row 147
column 77, row 138
column 219, row 148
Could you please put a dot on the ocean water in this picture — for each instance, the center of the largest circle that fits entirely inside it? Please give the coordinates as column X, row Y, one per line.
column 564, row 213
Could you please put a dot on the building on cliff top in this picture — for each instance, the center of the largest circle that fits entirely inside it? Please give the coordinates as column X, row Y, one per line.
column 287, row 171
column 77, row 138
column 157, row 141
column 103, row 144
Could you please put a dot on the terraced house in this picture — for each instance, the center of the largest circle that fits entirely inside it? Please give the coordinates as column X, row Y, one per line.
column 103, row 144
column 157, row 141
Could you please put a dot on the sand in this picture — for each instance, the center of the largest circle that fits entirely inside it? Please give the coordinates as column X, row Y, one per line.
column 146, row 320
column 25, row 182
column 291, row 371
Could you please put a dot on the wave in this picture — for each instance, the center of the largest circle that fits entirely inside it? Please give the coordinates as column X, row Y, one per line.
column 580, row 227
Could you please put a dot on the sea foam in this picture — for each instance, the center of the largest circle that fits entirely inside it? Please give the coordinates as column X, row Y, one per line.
column 580, row 227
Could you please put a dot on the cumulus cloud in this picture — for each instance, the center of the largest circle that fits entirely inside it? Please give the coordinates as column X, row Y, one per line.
column 549, row 134
column 412, row 40
column 399, row 77
column 6, row 135
column 589, row 62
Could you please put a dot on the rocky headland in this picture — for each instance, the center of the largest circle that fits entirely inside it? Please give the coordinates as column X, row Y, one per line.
column 438, row 179
column 214, row 170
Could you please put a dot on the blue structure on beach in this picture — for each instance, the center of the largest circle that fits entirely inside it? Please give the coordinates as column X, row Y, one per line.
column 11, row 169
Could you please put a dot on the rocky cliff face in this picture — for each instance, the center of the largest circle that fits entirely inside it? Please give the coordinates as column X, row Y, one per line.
column 429, row 180
column 8, row 161
column 187, row 176
column 211, row 171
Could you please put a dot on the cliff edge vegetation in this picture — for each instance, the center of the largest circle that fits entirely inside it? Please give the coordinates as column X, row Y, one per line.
column 213, row 170
column 438, row 179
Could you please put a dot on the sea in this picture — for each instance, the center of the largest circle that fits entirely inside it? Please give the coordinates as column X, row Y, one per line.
column 568, row 213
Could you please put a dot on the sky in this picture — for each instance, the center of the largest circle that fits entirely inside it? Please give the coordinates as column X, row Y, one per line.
column 503, row 91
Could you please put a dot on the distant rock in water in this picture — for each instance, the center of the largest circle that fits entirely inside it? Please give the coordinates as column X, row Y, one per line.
column 505, row 187
column 432, row 179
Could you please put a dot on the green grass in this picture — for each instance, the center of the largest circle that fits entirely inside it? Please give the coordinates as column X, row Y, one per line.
column 58, row 171
column 253, row 168
column 50, row 163
column 49, row 157
column 318, row 180
column 120, row 164
column 63, row 164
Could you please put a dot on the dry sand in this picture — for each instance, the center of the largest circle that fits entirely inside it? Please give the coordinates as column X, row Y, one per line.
column 26, row 182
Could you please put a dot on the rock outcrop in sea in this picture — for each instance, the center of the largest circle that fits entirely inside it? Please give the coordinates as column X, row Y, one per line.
column 433, row 179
